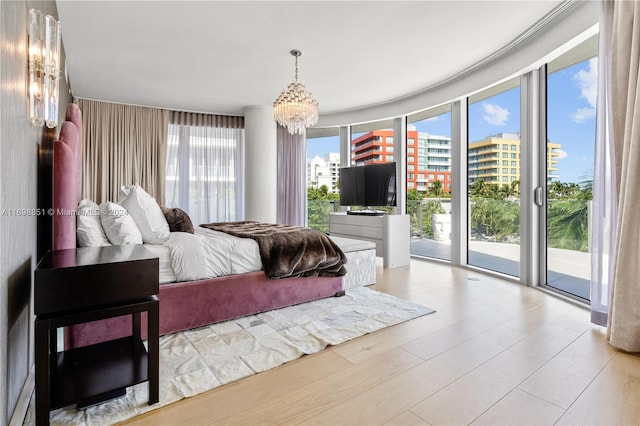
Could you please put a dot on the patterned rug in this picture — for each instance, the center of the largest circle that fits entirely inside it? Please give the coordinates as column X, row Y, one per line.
column 194, row 361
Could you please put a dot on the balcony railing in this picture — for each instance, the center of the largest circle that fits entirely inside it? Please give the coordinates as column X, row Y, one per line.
column 318, row 213
column 495, row 235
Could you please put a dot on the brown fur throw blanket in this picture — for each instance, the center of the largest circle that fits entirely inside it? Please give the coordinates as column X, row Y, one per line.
column 289, row 251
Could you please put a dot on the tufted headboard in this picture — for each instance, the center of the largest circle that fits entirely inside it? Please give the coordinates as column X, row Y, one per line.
column 67, row 179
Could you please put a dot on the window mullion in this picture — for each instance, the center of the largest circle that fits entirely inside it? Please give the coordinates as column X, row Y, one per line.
column 459, row 196
column 529, row 179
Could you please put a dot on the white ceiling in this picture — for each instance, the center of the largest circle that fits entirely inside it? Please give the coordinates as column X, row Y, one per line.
column 222, row 56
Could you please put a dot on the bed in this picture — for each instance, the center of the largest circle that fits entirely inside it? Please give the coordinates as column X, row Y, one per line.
column 183, row 305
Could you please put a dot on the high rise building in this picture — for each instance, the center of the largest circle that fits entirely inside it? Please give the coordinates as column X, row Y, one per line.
column 428, row 156
column 428, row 160
column 496, row 159
column 324, row 171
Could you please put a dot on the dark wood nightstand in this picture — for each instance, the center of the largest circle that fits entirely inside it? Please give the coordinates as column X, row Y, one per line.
column 87, row 284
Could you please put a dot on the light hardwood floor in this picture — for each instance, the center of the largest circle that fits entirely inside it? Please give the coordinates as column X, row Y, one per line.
column 495, row 352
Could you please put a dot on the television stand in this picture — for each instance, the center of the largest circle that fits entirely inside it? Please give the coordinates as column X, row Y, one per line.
column 366, row 212
column 389, row 232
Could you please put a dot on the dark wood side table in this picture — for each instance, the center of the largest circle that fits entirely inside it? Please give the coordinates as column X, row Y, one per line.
column 87, row 284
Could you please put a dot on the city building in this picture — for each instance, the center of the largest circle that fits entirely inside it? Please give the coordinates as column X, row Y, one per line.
column 324, row 171
column 428, row 156
column 496, row 159
column 428, row 160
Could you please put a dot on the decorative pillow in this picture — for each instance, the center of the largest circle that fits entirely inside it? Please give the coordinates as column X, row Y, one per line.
column 178, row 220
column 146, row 213
column 88, row 226
column 119, row 225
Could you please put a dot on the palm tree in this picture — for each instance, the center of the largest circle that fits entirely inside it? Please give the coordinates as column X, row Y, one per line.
column 506, row 191
column 435, row 189
column 515, row 187
column 477, row 188
column 556, row 188
column 567, row 225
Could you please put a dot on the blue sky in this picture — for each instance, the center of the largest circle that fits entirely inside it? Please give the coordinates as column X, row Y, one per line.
column 571, row 98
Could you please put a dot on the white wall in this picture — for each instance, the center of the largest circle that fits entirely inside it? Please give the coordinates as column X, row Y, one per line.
column 261, row 168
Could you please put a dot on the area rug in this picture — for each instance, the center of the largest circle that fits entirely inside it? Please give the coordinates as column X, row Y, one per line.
column 194, row 361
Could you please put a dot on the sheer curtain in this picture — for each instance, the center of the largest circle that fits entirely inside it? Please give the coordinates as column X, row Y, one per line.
column 603, row 216
column 292, row 178
column 624, row 311
column 205, row 166
column 123, row 144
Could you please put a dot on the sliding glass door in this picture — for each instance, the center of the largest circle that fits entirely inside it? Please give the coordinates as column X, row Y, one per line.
column 323, row 180
column 493, row 171
column 571, row 102
column 429, row 182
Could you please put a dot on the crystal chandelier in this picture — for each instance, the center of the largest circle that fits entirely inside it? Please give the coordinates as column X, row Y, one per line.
column 295, row 107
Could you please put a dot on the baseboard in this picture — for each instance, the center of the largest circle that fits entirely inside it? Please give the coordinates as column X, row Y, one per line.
column 20, row 412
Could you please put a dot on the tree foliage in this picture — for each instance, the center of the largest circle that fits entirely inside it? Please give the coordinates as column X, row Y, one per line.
column 495, row 211
column 320, row 202
column 567, row 224
column 414, row 195
column 494, row 219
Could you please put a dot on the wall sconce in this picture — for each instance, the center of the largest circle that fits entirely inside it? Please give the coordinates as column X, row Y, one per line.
column 44, row 69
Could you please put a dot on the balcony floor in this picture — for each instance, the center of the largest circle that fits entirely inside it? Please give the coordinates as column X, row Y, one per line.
column 504, row 258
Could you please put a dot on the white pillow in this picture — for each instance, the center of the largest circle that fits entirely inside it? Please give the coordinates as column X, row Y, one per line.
column 88, row 227
column 146, row 213
column 119, row 225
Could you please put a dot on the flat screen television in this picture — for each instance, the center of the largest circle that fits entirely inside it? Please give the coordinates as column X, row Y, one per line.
column 370, row 185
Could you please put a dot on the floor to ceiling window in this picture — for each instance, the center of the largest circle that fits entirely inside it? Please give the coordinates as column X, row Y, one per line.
column 500, row 230
column 493, row 159
column 429, row 183
column 372, row 143
column 571, row 110
column 323, row 168
column 204, row 155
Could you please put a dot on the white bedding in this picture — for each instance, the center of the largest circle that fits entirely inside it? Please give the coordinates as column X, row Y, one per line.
column 207, row 254
column 164, row 254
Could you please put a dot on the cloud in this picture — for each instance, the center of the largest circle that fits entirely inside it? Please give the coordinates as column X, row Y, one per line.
column 495, row 114
column 583, row 114
column 561, row 154
column 587, row 81
column 432, row 119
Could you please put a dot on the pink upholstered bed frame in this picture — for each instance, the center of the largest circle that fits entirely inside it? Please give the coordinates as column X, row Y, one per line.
column 183, row 305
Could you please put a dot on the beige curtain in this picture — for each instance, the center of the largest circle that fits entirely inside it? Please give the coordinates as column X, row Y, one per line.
column 624, row 313
column 123, row 144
